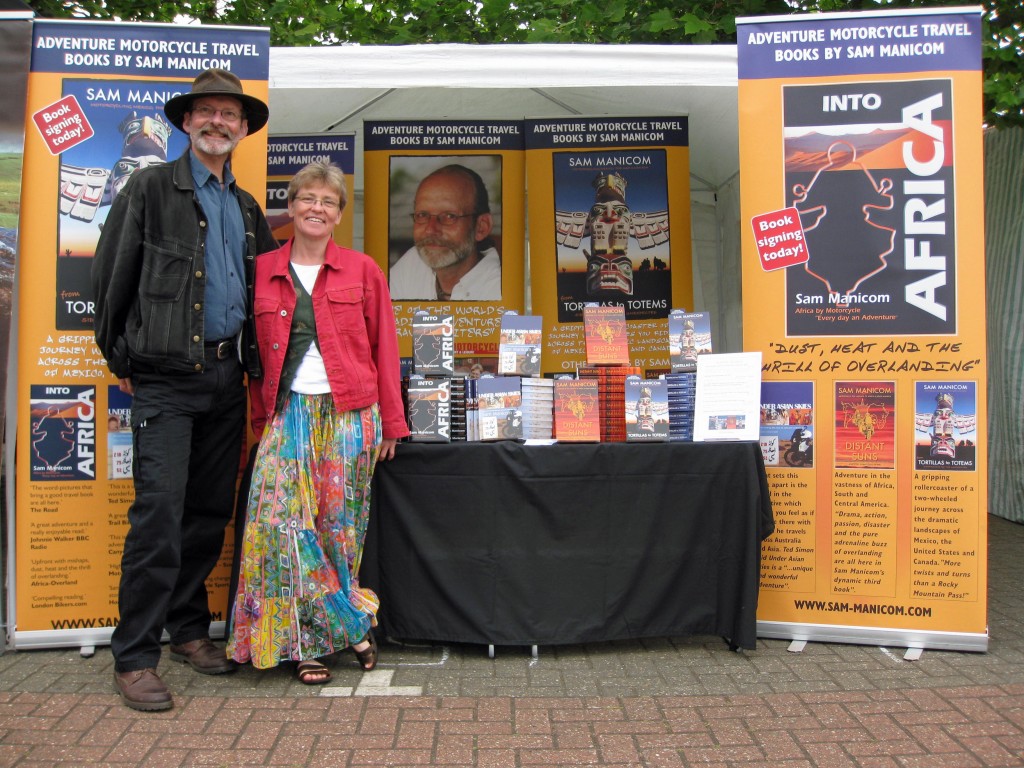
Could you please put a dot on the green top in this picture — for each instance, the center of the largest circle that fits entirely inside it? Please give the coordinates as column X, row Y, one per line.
column 303, row 333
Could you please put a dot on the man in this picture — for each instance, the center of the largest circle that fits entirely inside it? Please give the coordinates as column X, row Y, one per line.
column 173, row 281
column 451, row 259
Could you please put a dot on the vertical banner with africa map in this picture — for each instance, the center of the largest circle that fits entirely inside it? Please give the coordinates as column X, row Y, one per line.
column 95, row 115
column 444, row 218
column 609, row 225
column 864, row 289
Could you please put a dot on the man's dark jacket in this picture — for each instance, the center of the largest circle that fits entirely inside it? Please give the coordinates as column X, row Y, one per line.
column 149, row 273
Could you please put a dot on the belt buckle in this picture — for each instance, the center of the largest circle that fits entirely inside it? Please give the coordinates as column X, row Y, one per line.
column 224, row 349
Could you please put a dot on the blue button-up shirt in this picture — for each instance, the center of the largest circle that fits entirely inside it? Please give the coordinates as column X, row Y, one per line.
column 224, row 312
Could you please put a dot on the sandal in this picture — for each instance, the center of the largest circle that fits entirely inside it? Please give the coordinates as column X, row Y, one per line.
column 368, row 656
column 312, row 672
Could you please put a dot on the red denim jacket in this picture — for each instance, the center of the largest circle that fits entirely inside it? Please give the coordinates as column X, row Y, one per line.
column 355, row 327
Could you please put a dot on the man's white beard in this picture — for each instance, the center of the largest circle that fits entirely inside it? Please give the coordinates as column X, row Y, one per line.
column 214, row 145
column 439, row 253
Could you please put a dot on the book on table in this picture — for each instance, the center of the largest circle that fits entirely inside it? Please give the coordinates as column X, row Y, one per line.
column 433, row 344
column 429, row 409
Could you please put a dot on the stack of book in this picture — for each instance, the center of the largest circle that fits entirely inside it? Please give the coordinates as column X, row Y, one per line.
column 605, row 335
column 607, row 345
column 611, row 384
column 538, row 399
column 428, row 389
column 682, row 394
column 428, row 407
column 577, row 410
column 458, row 401
column 689, row 337
column 498, row 414
column 646, row 410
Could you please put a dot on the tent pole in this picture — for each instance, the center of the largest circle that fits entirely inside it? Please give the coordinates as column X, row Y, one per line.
column 360, row 108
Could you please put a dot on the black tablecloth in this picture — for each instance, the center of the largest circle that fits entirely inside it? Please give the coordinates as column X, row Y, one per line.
column 509, row 544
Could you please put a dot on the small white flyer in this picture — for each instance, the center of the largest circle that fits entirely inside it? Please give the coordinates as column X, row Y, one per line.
column 728, row 401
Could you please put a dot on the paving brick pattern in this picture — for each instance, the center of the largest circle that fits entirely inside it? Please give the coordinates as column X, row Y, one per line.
column 676, row 702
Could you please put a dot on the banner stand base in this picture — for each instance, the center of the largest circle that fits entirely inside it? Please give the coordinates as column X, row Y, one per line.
column 86, row 639
column 915, row 641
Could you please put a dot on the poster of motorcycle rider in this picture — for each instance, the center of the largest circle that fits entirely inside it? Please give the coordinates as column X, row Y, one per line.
column 787, row 414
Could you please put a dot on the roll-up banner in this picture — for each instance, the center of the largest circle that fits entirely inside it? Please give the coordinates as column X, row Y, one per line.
column 609, row 218
column 864, row 289
column 15, row 48
column 95, row 114
column 287, row 154
column 15, row 53
column 399, row 156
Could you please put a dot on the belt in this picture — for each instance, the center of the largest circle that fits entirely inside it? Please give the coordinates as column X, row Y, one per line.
column 221, row 349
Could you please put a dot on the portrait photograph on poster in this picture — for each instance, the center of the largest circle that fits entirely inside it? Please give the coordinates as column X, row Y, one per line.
column 444, row 210
column 612, row 233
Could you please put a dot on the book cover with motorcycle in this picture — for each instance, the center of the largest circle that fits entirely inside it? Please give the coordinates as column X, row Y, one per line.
column 500, row 414
column 519, row 344
column 787, row 415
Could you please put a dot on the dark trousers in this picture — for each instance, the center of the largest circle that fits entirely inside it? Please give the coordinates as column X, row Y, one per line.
column 187, row 432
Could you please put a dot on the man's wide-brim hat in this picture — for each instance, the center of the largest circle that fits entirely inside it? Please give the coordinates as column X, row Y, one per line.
column 217, row 82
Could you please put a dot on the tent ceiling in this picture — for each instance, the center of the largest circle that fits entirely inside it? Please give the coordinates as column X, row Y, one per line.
column 334, row 89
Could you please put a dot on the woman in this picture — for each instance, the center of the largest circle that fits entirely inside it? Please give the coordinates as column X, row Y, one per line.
column 328, row 407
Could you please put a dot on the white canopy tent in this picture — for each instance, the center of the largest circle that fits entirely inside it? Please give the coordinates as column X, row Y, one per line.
column 333, row 89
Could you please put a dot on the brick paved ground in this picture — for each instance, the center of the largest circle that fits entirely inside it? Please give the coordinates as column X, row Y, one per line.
column 670, row 702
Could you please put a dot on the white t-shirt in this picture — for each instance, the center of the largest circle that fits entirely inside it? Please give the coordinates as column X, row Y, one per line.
column 311, row 377
column 411, row 278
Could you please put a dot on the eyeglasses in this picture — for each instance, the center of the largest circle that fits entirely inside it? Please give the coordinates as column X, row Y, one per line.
column 327, row 203
column 207, row 113
column 443, row 219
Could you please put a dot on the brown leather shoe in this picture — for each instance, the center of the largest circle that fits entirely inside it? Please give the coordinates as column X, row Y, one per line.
column 204, row 656
column 142, row 689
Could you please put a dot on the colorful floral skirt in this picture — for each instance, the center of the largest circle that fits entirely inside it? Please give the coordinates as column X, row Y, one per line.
column 298, row 590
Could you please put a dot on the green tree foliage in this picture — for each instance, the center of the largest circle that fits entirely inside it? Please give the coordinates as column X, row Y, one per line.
column 384, row 22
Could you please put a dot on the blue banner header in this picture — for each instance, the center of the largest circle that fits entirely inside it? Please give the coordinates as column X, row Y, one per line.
column 149, row 50
column 287, row 155
column 588, row 132
column 855, row 44
column 454, row 135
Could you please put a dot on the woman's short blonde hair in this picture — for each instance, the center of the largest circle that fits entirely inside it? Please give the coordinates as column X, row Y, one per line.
column 319, row 172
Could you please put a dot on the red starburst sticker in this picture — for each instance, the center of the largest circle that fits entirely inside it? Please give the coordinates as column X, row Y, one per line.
column 780, row 239
column 63, row 125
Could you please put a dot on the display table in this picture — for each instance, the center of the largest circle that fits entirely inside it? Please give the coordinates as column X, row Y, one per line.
column 509, row 544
